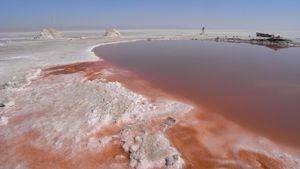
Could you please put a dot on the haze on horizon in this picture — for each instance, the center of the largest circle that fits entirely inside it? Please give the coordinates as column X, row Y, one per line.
column 32, row 15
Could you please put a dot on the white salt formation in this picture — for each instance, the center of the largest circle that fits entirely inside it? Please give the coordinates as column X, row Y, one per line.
column 49, row 33
column 112, row 33
column 97, row 104
column 149, row 149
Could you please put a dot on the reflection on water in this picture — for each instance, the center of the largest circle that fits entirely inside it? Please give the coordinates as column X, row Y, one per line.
column 252, row 85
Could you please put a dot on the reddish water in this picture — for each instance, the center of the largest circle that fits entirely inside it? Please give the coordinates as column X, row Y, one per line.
column 255, row 86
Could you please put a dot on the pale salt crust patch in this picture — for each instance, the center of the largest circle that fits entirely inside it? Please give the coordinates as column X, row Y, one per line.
column 149, row 149
column 19, row 83
column 266, row 147
column 64, row 109
column 234, row 139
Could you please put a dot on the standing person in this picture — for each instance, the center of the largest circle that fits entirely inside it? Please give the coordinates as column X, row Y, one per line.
column 203, row 29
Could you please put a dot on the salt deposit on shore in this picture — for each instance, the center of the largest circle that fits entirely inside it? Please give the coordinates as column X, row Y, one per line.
column 49, row 34
column 112, row 33
column 58, row 113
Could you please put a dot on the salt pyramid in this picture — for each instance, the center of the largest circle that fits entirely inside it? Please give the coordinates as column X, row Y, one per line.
column 112, row 33
column 49, row 33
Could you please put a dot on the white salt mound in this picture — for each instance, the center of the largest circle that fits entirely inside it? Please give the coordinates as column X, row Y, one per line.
column 149, row 150
column 112, row 33
column 49, row 33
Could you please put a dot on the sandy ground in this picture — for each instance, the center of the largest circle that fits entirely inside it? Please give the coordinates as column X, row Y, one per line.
column 63, row 107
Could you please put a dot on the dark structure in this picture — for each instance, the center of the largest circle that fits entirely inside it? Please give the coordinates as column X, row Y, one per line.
column 264, row 35
column 263, row 39
column 203, row 30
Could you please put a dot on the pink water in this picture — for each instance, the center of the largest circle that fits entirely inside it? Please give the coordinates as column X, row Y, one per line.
column 257, row 87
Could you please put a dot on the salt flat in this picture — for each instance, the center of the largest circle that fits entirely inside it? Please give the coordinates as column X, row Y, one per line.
column 61, row 112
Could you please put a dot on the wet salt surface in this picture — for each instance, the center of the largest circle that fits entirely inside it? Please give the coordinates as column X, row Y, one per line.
column 50, row 129
column 255, row 86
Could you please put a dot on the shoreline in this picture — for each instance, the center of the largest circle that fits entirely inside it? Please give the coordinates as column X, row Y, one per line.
column 91, row 48
column 108, row 81
column 282, row 143
column 266, row 140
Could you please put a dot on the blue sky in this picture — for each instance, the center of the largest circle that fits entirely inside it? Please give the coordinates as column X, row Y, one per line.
column 26, row 15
